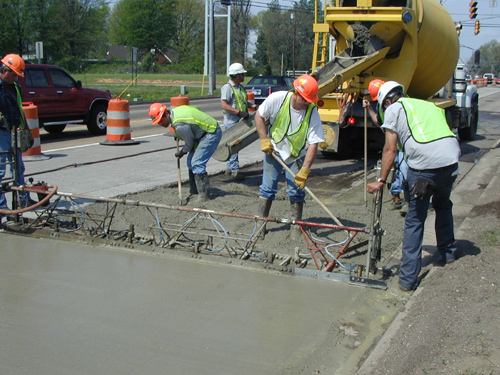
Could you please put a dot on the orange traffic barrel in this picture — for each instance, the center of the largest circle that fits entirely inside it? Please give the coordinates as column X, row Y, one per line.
column 35, row 152
column 118, row 126
column 251, row 99
column 176, row 101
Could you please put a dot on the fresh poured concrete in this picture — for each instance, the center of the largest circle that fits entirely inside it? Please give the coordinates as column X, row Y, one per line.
column 67, row 308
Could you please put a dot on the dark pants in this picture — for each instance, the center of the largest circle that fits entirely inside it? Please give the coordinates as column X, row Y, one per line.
column 415, row 219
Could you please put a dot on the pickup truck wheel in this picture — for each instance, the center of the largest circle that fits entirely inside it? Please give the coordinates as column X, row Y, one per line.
column 98, row 120
column 54, row 129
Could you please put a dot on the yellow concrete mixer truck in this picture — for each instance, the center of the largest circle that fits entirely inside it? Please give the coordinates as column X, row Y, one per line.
column 413, row 42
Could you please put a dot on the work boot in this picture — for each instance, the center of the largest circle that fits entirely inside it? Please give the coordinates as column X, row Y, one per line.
column 203, row 186
column 238, row 176
column 397, row 202
column 296, row 209
column 192, row 184
column 264, row 208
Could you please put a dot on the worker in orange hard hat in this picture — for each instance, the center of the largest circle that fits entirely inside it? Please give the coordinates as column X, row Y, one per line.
column 397, row 187
column 293, row 135
column 12, row 118
column 201, row 135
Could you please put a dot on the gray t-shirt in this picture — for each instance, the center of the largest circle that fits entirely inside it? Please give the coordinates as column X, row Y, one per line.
column 436, row 154
column 227, row 94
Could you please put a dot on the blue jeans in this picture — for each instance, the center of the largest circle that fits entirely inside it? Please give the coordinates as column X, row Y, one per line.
column 6, row 145
column 197, row 159
column 233, row 163
column 401, row 171
column 271, row 175
column 415, row 219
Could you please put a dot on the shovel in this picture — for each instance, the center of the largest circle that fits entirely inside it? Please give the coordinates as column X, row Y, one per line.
column 278, row 159
column 179, row 179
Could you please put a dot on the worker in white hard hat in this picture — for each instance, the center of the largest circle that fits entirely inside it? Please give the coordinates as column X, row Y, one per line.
column 431, row 151
column 235, row 105
column 11, row 118
column 201, row 135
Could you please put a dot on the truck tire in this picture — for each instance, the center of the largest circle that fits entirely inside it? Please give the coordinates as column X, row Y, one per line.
column 54, row 129
column 98, row 120
column 469, row 133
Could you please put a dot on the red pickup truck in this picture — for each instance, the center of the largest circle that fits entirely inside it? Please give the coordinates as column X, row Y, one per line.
column 62, row 100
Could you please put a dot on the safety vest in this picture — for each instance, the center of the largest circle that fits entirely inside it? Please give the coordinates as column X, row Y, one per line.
column 192, row 115
column 241, row 98
column 279, row 129
column 426, row 121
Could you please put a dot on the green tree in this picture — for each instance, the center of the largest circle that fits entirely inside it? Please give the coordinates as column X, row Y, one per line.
column 188, row 38
column 13, row 17
column 145, row 24
column 490, row 58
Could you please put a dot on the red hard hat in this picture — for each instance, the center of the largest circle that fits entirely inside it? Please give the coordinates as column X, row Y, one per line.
column 374, row 87
column 156, row 112
column 307, row 87
column 15, row 63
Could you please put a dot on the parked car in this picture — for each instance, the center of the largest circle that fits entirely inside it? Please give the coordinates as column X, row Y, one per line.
column 262, row 86
column 489, row 77
column 62, row 100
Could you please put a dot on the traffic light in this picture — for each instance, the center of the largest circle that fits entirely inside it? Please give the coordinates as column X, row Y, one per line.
column 458, row 27
column 476, row 28
column 228, row 2
column 472, row 10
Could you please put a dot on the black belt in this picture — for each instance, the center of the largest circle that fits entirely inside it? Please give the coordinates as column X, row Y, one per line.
column 436, row 170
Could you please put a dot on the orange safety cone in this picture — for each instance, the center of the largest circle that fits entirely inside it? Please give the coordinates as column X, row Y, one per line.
column 251, row 99
column 177, row 101
column 118, row 127
column 35, row 152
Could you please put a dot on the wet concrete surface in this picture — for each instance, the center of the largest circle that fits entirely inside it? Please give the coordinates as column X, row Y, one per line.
column 68, row 308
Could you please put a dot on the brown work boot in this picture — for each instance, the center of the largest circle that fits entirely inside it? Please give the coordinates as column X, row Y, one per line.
column 238, row 176
column 397, row 202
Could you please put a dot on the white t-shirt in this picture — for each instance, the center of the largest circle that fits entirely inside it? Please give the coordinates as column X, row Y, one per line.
column 269, row 109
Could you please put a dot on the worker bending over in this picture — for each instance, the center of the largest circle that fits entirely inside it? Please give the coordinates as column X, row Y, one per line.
column 294, row 133
column 432, row 151
column 201, row 135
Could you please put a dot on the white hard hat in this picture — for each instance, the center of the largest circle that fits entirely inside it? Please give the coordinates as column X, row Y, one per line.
column 388, row 87
column 236, row 68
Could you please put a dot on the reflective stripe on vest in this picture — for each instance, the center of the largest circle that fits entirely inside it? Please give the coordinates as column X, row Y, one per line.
column 192, row 115
column 427, row 122
column 281, row 124
column 241, row 98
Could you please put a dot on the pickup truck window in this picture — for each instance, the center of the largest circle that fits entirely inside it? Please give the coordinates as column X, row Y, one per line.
column 36, row 78
column 61, row 79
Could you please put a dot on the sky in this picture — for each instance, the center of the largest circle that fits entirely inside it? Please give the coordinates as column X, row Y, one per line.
column 487, row 15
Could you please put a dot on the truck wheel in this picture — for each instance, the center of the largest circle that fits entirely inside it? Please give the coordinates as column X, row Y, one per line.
column 469, row 133
column 54, row 129
column 98, row 120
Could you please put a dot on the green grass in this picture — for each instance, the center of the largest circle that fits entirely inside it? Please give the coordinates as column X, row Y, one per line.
column 152, row 87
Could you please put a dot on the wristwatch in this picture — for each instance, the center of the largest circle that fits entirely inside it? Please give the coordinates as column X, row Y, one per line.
column 380, row 180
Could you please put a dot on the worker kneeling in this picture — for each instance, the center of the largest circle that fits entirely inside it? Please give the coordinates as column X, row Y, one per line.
column 292, row 138
column 201, row 135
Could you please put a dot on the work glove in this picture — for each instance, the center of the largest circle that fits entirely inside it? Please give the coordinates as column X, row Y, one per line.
column 266, row 146
column 419, row 187
column 301, row 177
column 179, row 154
column 243, row 114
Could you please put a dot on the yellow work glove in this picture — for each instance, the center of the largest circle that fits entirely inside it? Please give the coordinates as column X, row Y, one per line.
column 266, row 146
column 301, row 177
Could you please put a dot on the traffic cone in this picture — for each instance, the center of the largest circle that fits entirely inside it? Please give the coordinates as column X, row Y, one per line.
column 251, row 99
column 118, row 127
column 34, row 153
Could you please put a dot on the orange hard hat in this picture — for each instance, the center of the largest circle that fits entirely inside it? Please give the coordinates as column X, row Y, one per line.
column 15, row 63
column 307, row 87
column 374, row 87
column 156, row 112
